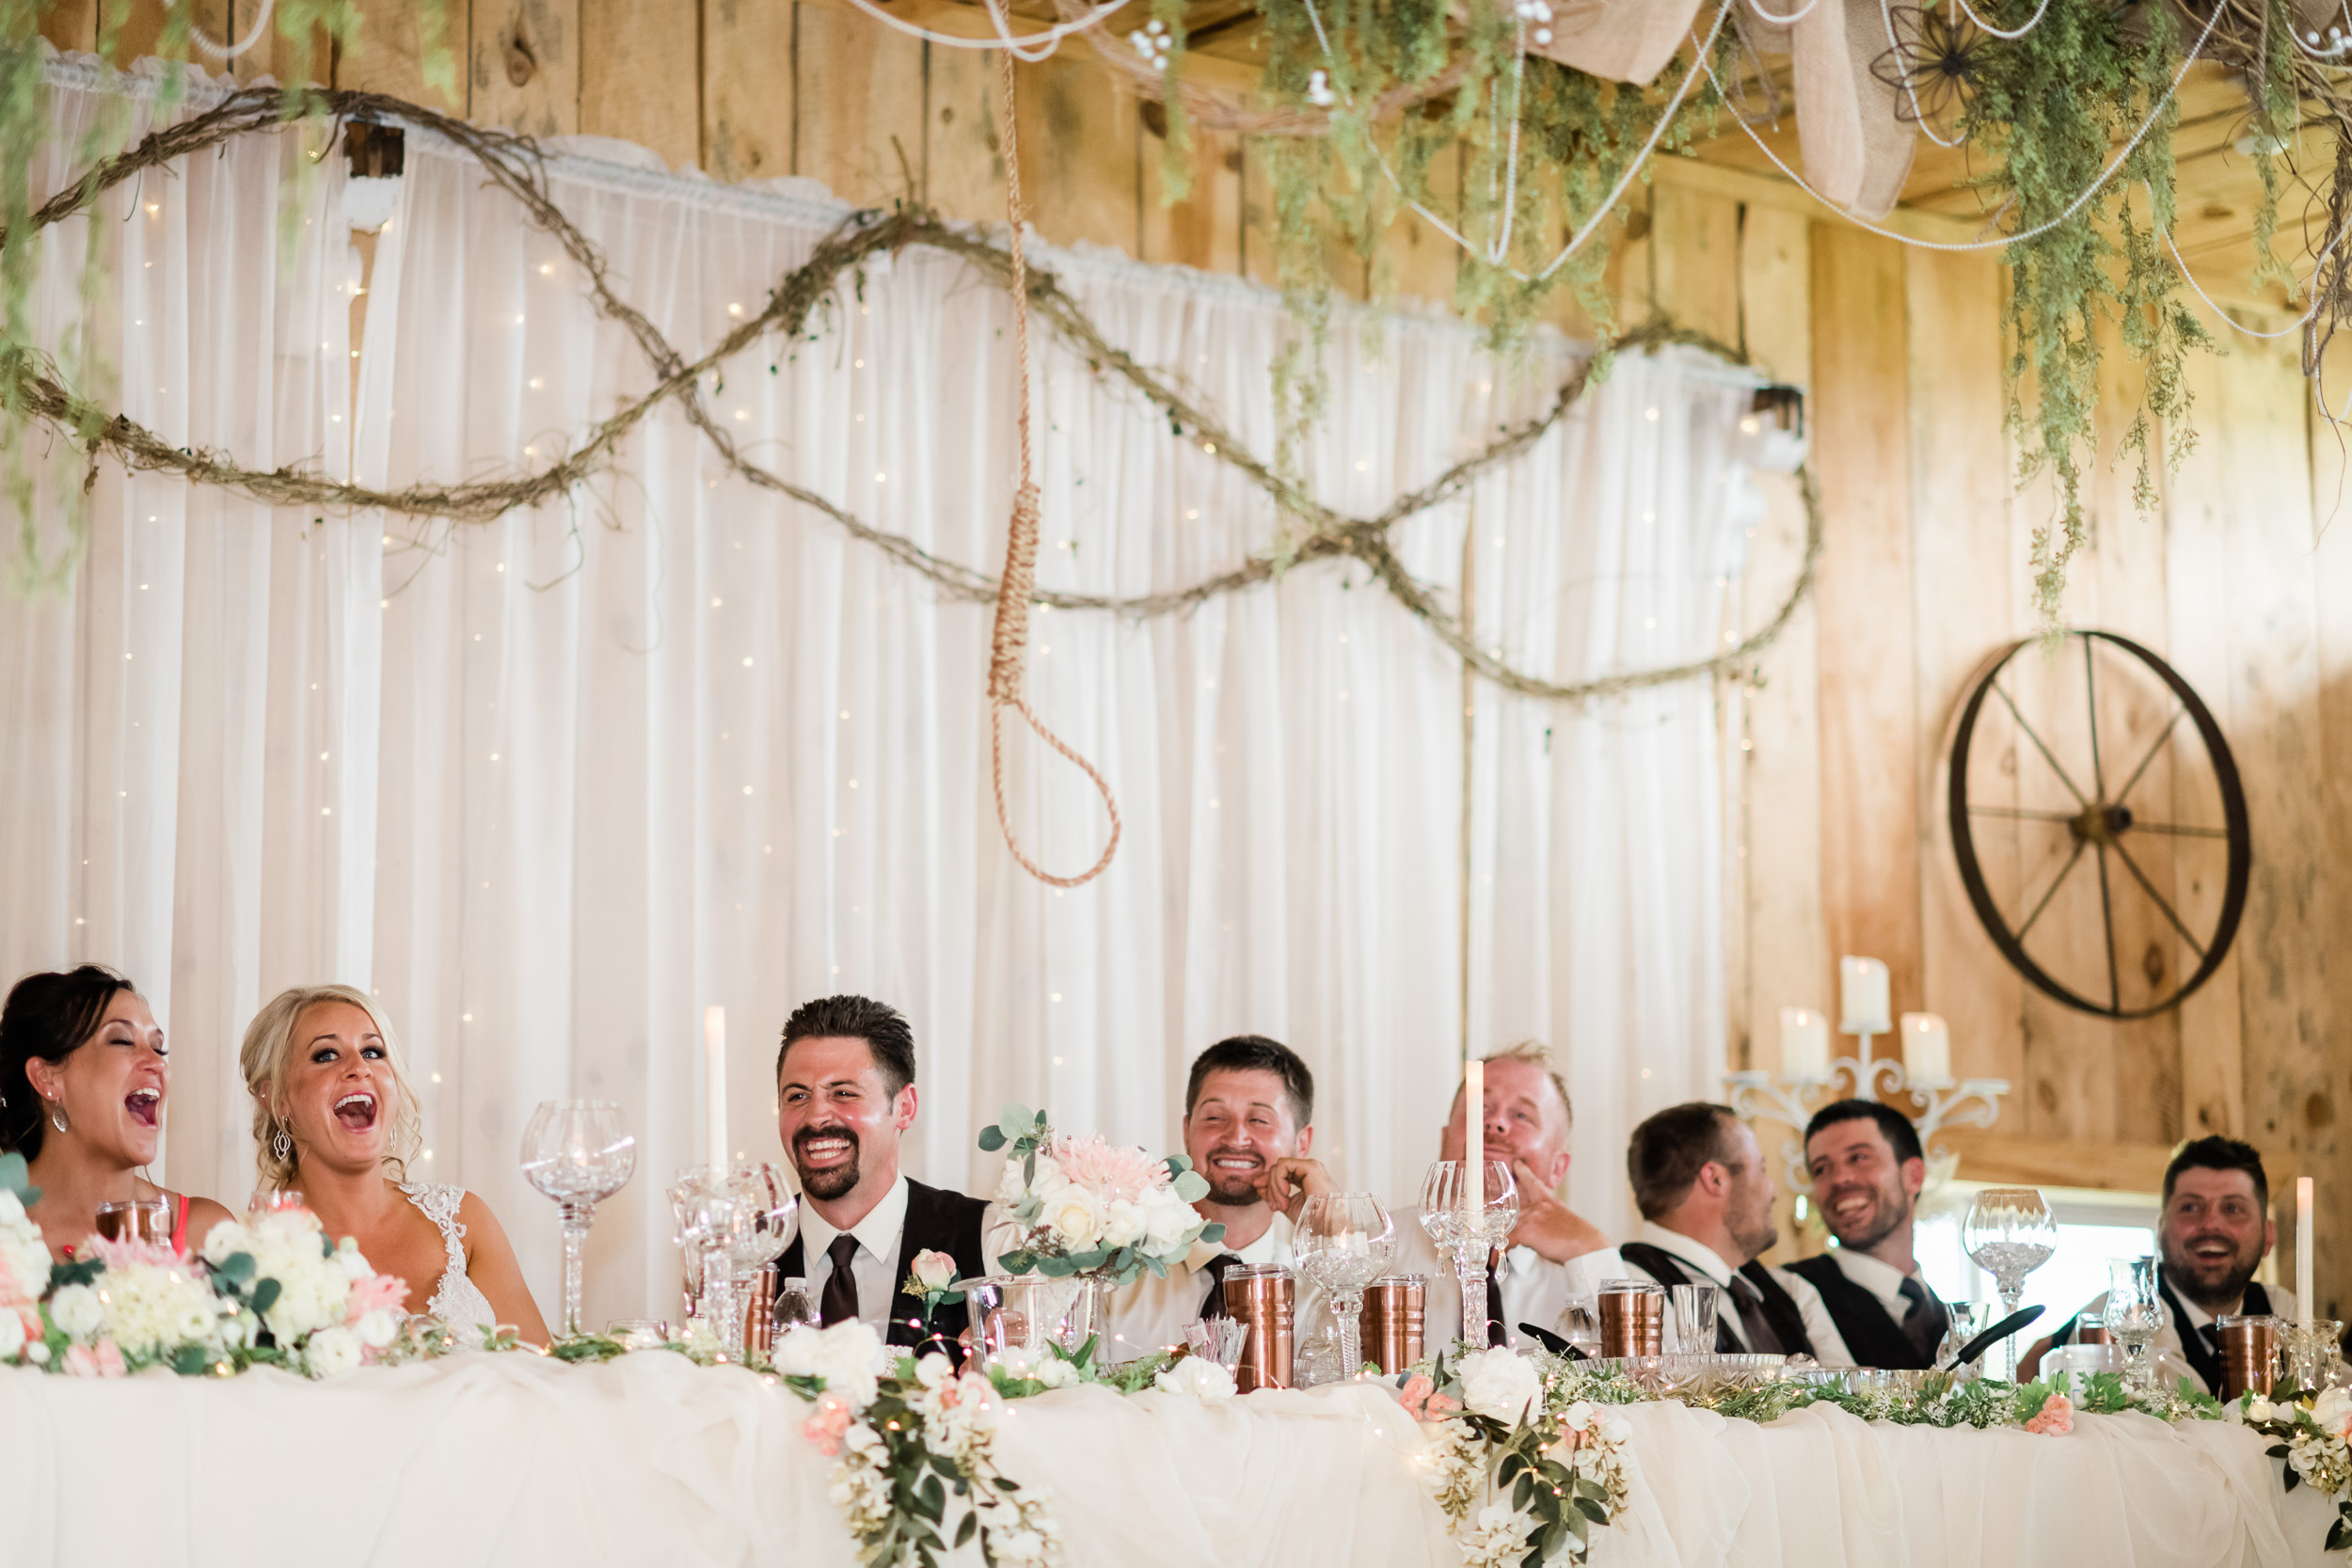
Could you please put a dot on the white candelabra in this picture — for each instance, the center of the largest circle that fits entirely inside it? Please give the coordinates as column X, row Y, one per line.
column 1808, row 1074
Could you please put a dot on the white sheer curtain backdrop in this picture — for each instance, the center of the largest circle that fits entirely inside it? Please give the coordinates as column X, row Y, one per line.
column 550, row 786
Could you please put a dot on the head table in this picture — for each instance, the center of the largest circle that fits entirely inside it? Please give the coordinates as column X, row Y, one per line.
column 515, row 1460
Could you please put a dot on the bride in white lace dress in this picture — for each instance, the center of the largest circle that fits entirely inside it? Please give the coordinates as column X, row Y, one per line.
column 334, row 1119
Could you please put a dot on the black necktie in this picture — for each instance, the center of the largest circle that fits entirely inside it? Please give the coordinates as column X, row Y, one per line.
column 1215, row 1306
column 1923, row 1320
column 1496, row 1333
column 1762, row 1341
column 839, row 1302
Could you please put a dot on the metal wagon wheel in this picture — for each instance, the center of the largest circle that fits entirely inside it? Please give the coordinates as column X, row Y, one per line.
column 2093, row 829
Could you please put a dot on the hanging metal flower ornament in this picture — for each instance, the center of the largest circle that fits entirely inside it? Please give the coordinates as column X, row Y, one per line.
column 1935, row 66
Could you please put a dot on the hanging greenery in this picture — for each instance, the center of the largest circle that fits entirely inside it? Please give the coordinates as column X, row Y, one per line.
column 1464, row 117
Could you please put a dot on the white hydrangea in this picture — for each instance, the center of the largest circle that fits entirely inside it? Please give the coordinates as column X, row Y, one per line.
column 151, row 1309
column 11, row 1334
column 23, row 1257
column 1056, row 1373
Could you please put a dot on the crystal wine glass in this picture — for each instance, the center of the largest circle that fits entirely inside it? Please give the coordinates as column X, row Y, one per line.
column 1344, row 1241
column 763, row 1216
column 2134, row 1315
column 575, row 1152
column 1469, row 1218
column 704, row 1205
column 2010, row 1232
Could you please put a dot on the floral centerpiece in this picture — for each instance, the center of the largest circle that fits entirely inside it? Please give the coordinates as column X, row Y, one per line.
column 1523, row 1466
column 271, row 1290
column 1090, row 1207
column 2314, row 1434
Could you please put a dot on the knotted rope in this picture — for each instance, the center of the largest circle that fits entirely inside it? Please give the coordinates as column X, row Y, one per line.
column 1009, row 644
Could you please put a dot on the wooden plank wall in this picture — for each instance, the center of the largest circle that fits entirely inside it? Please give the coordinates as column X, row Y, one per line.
column 1835, row 764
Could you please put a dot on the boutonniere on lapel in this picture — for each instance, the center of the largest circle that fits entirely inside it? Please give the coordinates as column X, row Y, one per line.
column 932, row 1276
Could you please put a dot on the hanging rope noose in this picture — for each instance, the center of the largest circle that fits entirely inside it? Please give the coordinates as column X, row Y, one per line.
column 1010, row 643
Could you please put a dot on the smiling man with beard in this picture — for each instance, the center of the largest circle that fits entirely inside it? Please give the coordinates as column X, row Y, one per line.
column 845, row 1096
column 1249, row 1104
column 2214, row 1233
column 1868, row 1170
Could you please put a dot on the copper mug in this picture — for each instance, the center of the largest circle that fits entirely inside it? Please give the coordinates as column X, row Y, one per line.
column 2091, row 1331
column 759, row 1314
column 1395, row 1313
column 1263, row 1299
column 1632, row 1317
column 2249, row 1353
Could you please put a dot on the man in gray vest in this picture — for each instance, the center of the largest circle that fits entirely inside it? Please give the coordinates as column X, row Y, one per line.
column 1868, row 1170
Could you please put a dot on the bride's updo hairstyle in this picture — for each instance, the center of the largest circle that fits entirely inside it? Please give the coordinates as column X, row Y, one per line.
column 268, row 1059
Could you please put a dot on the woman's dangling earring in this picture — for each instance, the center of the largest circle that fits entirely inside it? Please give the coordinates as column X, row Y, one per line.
column 281, row 1146
column 56, row 1118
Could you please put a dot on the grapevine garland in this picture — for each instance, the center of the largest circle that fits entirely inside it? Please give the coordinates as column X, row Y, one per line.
column 33, row 388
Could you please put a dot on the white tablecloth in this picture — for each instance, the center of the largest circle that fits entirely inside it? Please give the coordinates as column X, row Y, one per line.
column 512, row 1461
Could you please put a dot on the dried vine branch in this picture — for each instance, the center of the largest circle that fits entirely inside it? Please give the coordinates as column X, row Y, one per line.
column 516, row 165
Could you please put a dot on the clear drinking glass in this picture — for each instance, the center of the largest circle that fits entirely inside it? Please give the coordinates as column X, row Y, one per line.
column 1968, row 1319
column 2135, row 1316
column 575, row 1152
column 1693, row 1318
column 2010, row 1232
column 1469, row 1218
column 147, row 1220
column 1344, row 1241
column 765, row 1217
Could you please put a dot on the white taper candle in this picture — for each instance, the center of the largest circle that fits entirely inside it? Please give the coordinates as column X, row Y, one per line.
column 2303, row 1250
column 1474, row 1140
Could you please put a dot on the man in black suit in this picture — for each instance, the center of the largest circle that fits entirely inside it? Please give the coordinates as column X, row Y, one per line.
column 845, row 1096
column 1868, row 1170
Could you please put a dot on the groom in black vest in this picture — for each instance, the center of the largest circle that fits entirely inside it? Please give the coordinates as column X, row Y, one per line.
column 845, row 1096
column 1868, row 1170
column 1707, row 1217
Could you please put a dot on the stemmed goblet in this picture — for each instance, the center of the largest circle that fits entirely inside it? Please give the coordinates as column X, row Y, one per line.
column 704, row 1203
column 2134, row 1315
column 1468, row 1218
column 763, row 1215
column 2010, row 1232
column 1344, row 1241
column 575, row 1152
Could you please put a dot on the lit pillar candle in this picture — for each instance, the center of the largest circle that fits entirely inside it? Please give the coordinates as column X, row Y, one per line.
column 2303, row 1249
column 1862, row 996
column 1804, row 1045
column 1475, row 1140
column 715, row 1085
column 1927, row 1048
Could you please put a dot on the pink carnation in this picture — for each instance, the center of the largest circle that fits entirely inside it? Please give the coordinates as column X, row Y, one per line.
column 373, row 1293
column 824, row 1427
column 1107, row 1168
column 104, row 1360
column 2057, row 1416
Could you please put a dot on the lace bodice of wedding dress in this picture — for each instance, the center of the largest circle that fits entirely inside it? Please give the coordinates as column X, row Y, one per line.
column 457, row 1301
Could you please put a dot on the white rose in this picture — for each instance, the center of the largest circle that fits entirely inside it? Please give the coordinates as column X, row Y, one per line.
column 1122, row 1222
column 2259, row 1408
column 1048, row 1180
column 77, row 1311
column 1056, row 1373
column 1500, row 1383
column 1011, row 1189
column 11, row 1207
column 331, row 1351
column 1198, row 1378
column 843, row 1355
column 2331, row 1409
column 11, row 1334
column 378, row 1328
column 1166, row 1221
column 1076, row 1217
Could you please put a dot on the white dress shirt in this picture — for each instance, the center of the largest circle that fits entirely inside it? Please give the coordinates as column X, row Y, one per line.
column 1153, row 1313
column 1877, row 1276
column 1533, row 1290
column 875, row 1268
column 1829, row 1346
